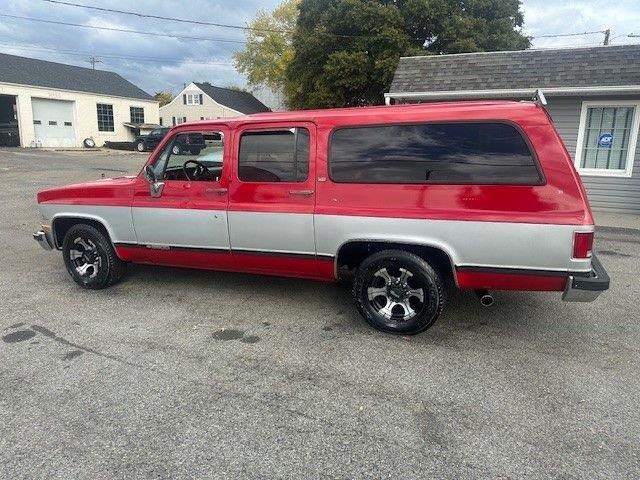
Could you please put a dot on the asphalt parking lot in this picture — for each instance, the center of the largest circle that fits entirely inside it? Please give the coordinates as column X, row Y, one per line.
column 179, row 373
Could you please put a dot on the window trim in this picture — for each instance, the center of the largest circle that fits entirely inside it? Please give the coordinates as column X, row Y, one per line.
column 534, row 154
column 282, row 128
column 631, row 147
column 195, row 99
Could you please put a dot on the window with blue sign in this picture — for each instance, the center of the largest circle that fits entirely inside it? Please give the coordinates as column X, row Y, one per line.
column 607, row 140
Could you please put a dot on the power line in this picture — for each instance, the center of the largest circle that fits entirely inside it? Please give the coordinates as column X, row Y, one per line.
column 171, row 19
column 270, row 30
column 201, row 22
column 125, row 30
column 570, row 34
column 107, row 55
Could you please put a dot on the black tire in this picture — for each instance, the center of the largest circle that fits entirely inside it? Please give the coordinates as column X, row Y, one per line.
column 141, row 147
column 195, row 151
column 109, row 269
column 176, row 149
column 392, row 316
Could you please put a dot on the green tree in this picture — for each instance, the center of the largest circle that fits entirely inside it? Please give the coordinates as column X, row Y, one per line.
column 237, row 88
column 163, row 97
column 268, row 49
column 345, row 51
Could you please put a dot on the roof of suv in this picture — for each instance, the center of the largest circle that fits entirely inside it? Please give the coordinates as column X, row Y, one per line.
column 490, row 109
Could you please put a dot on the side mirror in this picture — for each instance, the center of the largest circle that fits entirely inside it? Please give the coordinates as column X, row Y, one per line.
column 150, row 174
column 155, row 187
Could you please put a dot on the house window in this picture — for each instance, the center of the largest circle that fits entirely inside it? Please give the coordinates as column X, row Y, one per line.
column 105, row 118
column 137, row 114
column 193, row 99
column 607, row 138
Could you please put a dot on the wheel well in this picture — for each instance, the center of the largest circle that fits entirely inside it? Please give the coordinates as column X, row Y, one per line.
column 62, row 225
column 351, row 255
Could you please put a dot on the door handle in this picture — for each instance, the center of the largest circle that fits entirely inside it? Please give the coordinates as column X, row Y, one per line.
column 301, row 193
column 218, row 191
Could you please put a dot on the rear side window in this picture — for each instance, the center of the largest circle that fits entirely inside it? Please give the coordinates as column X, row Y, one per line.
column 274, row 156
column 482, row 153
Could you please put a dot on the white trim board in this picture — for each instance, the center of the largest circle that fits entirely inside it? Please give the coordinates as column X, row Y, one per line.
column 631, row 147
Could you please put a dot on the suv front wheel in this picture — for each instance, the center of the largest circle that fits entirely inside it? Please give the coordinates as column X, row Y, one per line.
column 90, row 258
column 398, row 292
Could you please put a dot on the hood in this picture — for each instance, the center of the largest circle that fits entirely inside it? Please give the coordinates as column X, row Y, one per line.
column 104, row 191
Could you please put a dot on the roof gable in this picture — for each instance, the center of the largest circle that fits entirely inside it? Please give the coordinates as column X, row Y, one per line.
column 41, row 73
column 240, row 101
column 617, row 65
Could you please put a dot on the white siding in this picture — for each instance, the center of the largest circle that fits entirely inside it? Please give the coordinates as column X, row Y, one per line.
column 612, row 194
column 209, row 110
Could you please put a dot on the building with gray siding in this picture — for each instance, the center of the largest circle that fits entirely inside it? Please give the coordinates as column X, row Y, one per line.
column 593, row 97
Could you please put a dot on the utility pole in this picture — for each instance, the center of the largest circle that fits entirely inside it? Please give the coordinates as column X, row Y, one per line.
column 607, row 34
column 93, row 60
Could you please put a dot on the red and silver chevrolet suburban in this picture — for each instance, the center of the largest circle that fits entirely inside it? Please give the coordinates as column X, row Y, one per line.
column 401, row 198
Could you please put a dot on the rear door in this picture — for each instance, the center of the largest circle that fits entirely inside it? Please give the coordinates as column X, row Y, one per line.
column 272, row 198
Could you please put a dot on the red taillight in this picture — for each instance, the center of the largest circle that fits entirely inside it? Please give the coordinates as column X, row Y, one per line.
column 582, row 244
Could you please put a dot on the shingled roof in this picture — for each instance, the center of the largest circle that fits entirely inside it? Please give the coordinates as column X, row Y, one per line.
column 238, row 100
column 40, row 73
column 590, row 67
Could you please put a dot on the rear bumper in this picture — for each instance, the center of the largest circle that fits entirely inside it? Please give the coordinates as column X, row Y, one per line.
column 43, row 239
column 587, row 288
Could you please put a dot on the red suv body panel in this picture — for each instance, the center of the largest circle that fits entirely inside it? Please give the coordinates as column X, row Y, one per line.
column 507, row 217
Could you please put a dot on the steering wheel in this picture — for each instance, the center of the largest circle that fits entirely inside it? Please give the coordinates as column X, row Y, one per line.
column 200, row 171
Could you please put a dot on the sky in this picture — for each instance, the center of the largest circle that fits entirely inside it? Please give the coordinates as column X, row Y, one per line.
column 160, row 63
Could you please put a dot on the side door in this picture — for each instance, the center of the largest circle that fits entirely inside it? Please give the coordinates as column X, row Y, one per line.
column 188, row 214
column 272, row 198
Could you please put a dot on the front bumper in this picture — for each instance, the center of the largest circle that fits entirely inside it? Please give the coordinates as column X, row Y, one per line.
column 43, row 239
column 587, row 288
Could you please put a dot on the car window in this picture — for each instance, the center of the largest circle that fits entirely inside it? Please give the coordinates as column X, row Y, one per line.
column 274, row 156
column 465, row 152
column 196, row 156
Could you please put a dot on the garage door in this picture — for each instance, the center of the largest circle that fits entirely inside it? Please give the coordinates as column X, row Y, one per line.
column 53, row 122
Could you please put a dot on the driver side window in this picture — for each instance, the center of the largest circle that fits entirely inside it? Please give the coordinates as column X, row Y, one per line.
column 195, row 156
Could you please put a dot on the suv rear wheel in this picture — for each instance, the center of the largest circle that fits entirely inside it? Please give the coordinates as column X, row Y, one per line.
column 140, row 146
column 90, row 258
column 398, row 292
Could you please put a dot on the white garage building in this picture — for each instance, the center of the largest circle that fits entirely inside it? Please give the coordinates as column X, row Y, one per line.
column 47, row 104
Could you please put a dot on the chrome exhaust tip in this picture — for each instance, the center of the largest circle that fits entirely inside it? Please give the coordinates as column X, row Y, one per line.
column 486, row 299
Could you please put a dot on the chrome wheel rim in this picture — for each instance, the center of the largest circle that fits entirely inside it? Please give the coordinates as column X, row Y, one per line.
column 175, row 150
column 141, row 147
column 85, row 258
column 395, row 295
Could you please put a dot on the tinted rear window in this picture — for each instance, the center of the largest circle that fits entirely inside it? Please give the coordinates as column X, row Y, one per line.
column 483, row 153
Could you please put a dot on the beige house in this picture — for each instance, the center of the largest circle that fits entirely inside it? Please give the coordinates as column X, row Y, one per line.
column 203, row 101
column 47, row 104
